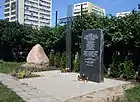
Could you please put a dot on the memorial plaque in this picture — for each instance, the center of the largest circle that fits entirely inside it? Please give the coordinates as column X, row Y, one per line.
column 91, row 65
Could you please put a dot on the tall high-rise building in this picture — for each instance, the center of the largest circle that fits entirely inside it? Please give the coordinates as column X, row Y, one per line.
column 88, row 7
column 37, row 13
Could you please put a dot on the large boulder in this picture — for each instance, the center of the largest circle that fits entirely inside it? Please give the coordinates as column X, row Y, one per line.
column 37, row 56
column 37, row 60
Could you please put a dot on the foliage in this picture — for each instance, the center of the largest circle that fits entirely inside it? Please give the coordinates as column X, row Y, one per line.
column 76, row 65
column 124, row 70
column 128, row 70
column 21, row 74
column 7, row 95
column 58, row 60
column 63, row 61
column 51, row 59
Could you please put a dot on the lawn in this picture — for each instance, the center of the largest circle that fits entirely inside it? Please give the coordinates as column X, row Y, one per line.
column 7, row 95
column 7, row 67
column 133, row 95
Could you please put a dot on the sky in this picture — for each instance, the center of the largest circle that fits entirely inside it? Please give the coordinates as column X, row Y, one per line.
column 111, row 6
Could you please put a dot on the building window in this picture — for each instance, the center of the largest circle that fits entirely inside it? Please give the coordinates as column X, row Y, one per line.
column 6, row 10
column 13, row 13
column 7, row 19
column 85, row 3
column 77, row 5
column 12, row 18
column 7, row 5
column 6, row 14
column 6, row 1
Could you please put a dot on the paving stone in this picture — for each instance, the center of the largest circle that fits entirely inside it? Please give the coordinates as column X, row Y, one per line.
column 43, row 99
column 48, row 99
column 17, row 89
column 24, row 95
column 37, row 93
column 33, row 100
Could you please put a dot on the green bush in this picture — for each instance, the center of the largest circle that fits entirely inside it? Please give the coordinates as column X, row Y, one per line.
column 115, row 70
column 128, row 70
column 76, row 65
column 124, row 70
column 57, row 60
column 63, row 61
column 51, row 59
column 21, row 74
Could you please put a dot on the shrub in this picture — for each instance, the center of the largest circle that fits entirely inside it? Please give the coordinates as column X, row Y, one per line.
column 21, row 74
column 63, row 61
column 128, row 70
column 57, row 60
column 51, row 59
column 124, row 70
column 115, row 70
column 76, row 65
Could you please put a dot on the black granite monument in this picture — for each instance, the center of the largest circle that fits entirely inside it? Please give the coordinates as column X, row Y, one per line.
column 92, row 48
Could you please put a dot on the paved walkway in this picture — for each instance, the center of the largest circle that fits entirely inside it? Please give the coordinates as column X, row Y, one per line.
column 26, row 92
column 54, row 86
column 65, row 86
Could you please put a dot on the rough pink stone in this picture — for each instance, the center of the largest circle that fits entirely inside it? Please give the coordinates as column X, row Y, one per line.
column 37, row 55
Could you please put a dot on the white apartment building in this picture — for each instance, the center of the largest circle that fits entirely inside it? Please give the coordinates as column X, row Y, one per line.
column 122, row 14
column 37, row 13
column 88, row 7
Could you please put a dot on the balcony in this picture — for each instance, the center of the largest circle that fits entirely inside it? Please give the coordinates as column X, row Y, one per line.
column 13, row 18
column 32, row 1
column 6, row 14
column 28, row 13
column 28, row 22
column 42, row 11
column 31, row 18
column 7, row 1
column 7, row 5
column 6, row 10
column 47, row 16
column 33, row 9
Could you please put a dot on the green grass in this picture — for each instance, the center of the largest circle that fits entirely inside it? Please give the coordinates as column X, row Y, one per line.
column 133, row 95
column 7, row 67
column 7, row 95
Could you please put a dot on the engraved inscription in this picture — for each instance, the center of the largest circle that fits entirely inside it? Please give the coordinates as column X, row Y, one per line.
column 90, row 53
